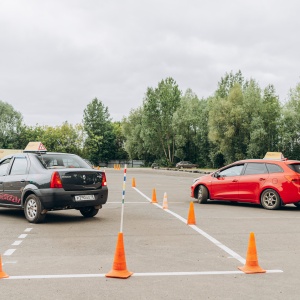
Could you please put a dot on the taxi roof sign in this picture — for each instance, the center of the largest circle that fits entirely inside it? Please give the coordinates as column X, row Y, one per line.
column 35, row 147
column 274, row 155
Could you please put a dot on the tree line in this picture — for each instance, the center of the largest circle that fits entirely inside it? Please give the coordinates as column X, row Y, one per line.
column 239, row 120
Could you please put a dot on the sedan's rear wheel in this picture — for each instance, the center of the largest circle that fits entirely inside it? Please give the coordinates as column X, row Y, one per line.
column 270, row 199
column 89, row 212
column 202, row 194
column 33, row 209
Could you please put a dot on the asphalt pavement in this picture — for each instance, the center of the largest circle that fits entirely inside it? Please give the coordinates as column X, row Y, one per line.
column 68, row 256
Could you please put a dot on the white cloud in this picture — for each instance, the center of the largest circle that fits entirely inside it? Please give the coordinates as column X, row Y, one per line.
column 56, row 56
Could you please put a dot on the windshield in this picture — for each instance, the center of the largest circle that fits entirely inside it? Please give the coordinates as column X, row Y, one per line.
column 62, row 160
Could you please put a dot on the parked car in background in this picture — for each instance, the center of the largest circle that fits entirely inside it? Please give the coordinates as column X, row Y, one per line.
column 269, row 182
column 155, row 166
column 38, row 181
column 186, row 165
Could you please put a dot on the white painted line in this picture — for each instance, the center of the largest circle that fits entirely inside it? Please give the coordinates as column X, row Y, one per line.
column 22, row 236
column 27, row 229
column 220, row 245
column 142, row 194
column 9, row 252
column 16, row 243
column 9, row 262
column 126, row 202
column 137, row 274
column 203, row 233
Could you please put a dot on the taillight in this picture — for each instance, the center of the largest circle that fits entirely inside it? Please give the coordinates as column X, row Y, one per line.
column 293, row 178
column 104, row 183
column 55, row 181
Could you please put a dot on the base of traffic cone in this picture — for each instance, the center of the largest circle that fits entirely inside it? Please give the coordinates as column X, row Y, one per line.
column 191, row 217
column 154, row 200
column 119, row 269
column 251, row 265
column 2, row 273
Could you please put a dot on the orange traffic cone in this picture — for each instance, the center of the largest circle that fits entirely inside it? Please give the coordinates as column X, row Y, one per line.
column 2, row 273
column 251, row 265
column 154, row 200
column 119, row 269
column 165, row 201
column 191, row 218
column 133, row 182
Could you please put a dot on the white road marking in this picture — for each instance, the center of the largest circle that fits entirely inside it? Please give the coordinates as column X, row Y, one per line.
column 136, row 274
column 16, row 243
column 203, row 233
column 9, row 262
column 22, row 236
column 9, row 252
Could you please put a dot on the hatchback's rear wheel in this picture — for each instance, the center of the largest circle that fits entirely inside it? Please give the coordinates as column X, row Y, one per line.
column 33, row 209
column 89, row 212
column 270, row 199
column 202, row 194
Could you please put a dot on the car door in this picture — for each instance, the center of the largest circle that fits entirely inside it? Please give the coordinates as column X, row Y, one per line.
column 14, row 182
column 252, row 180
column 4, row 166
column 225, row 184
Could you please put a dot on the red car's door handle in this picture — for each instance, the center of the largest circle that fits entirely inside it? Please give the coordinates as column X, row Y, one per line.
column 234, row 180
column 261, row 179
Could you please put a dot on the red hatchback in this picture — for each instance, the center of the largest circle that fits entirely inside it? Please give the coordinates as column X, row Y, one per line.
column 268, row 182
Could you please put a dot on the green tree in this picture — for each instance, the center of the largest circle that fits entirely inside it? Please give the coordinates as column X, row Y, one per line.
column 227, row 82
column 265, row 114
column 226, row 124
column 131, row 129
column 119, row 141
column 190, row 125
column 289, row 132
column 159, row 107
column 10, row 126
column 100, row 139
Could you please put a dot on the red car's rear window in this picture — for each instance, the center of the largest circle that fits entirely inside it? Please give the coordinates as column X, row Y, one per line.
column 295, row 167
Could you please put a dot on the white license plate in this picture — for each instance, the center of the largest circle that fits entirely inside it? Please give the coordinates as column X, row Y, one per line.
column 84, row 197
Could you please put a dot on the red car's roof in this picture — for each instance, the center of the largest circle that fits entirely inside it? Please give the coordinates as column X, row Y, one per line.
column 267, row 161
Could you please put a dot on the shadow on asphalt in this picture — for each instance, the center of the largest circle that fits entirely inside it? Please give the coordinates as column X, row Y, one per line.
column 289, row 207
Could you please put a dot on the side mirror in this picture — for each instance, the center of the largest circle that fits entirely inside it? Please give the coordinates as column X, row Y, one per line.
column 217, row 175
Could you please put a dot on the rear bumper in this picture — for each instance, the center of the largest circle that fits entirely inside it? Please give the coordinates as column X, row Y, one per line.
column 55, row 199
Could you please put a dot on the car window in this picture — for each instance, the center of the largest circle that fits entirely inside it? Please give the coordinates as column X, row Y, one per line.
column 19, row 166
column 54, row 161
column 272, row 168
column 295, row 167
column 3, row 166
column 255, row 168
column 232, row 171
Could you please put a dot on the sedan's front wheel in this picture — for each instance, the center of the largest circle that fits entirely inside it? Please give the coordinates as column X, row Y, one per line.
column 270, row 199
column 33, row 209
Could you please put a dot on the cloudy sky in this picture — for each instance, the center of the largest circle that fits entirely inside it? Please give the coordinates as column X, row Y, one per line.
column 57, row 55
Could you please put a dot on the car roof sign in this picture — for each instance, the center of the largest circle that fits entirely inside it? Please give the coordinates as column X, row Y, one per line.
column 35, row 147
column 274, row 155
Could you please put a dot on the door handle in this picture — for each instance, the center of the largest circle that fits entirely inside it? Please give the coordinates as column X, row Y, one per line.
column 234, row 180
column 262, row 179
